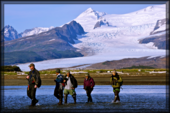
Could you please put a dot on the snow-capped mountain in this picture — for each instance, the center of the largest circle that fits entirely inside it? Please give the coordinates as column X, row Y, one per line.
column 160, row 26
column 111, row 37
column 35, row 31
column 122, row 31
column 149, row 15
column 10, row 33
column 89, row 18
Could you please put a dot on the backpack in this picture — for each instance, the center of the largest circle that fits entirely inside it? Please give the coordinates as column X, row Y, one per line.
column 121, row 83
column 39, row 81
column 76, row 83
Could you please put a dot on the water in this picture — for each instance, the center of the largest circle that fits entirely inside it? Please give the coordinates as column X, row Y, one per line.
column 151, row 97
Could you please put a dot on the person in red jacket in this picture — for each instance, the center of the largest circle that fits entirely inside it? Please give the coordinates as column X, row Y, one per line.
column 88, row 86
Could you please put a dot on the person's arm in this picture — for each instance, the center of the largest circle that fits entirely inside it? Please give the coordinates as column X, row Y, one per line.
column 37, row 77
column 84, row 83
column 92, row 81
column 28, row 76
column 111, row 80
column 59, row 80
column 120, row 79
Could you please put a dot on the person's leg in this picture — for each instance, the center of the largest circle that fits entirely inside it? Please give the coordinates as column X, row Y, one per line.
column 33, row 92
column 29, row 93
column 73, row 94
column 116, row 93
column 87, row 92
column 65, row 95
column 56, row 93
column 60, row 97
column 90, row 98
column 118, row 98
column 65, row 98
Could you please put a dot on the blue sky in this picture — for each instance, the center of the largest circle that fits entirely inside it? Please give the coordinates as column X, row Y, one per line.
column 27, row 16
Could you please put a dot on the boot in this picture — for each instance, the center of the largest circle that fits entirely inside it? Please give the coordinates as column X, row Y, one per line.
column 115, row 99
column 60, row 101
column 36, row 101
column 65, row 99
column 90, row 99
column 74, row 97
column 33, row 103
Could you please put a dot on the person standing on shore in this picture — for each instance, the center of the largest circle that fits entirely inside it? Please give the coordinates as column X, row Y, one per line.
column 70, row 85
column 58, row 91
column 88, row 86
column 116, row 82
column 33, row 81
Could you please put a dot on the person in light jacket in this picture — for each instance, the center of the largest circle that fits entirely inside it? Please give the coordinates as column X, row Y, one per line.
column 70, row 85
column 88, row 86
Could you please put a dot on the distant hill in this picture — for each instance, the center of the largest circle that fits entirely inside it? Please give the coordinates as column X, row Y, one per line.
column 143, row 62
column 52, row 44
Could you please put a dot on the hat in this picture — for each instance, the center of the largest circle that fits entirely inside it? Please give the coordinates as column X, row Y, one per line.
column 31, row 65
column 67, row 71
column 57, row 70
column 114, row 71
column 87, row 74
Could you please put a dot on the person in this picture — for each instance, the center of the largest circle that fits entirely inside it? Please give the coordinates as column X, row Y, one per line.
column 32, row 84
column 88, row 86
column 58, row 91
column 115, row 81
column 70, row 85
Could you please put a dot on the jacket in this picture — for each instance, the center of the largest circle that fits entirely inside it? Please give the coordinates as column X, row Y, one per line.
column 33, row 77
column 59, row 81
column 89, row 82
column 72, row 79
column 117, row 79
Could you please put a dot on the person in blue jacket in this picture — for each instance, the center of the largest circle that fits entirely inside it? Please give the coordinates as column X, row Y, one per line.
column 58, row 92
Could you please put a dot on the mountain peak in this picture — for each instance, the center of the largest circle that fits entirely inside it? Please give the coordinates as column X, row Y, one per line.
column 89, row 10
column 8, row 27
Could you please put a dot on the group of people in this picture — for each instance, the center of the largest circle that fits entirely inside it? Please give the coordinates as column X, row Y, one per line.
column 68, row 83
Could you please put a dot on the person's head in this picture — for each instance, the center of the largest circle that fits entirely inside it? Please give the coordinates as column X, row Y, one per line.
column 32, row 66
column 87, row 75
column 114, row 72
column 68, row 72
column 57, row 71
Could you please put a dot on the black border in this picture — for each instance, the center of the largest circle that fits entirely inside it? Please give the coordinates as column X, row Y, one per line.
column 78, row 2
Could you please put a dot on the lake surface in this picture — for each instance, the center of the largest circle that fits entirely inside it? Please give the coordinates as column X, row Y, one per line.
column 138, row 97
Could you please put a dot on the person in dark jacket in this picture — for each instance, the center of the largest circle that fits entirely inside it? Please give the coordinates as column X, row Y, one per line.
column 70, row 85
column 32, row 84
column 58, row 91
column 115, row 81
column 88, row 86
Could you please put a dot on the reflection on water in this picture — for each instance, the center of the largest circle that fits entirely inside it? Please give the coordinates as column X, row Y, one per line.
column 132, row 97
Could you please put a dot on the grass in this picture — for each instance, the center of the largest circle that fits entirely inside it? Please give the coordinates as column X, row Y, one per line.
column 9, row 73
column 139, row 67
column 95, row 72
